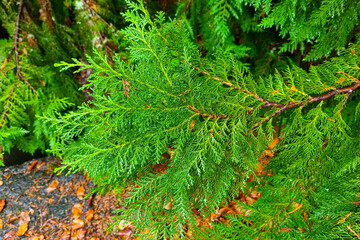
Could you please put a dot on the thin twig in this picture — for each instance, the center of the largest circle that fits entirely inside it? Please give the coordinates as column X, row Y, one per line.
column 94, row 12
column 16, row 41
column 209, row 115
column 345, row 101
column 357, row 235
column 267, row 103
column 350, row 89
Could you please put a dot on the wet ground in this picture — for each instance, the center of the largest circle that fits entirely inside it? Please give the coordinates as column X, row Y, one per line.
column 37, row 204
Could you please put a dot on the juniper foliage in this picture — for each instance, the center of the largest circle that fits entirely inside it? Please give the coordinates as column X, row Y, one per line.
column 181, row 117
column 185, row 131
column 42, row 33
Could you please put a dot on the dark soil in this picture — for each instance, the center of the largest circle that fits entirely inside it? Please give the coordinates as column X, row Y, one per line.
column 42, row 205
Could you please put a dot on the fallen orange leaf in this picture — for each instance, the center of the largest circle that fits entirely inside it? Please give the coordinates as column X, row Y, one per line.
column 13, row 219
column 77, row 223
column 23, row 228
column 77, row 211
column 10, row 235
column 41, row 237
column 42, row 163
column 52, row 186
column 123, row 225
column 2, row 204
column 89, row 215
column 66, row 235
column 80, row 193
column 250, row 201
column 79, row 234
column 32, row 165
column 8, row 175
column 1, row 223
column 24, row 217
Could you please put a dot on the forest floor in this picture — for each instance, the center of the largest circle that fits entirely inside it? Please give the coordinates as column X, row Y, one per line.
column 37, row 204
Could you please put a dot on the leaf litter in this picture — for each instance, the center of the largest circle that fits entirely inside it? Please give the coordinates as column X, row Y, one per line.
column 37, row 204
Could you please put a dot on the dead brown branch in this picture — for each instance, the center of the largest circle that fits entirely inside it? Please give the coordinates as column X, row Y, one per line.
column 93, row 12
column 16, row 41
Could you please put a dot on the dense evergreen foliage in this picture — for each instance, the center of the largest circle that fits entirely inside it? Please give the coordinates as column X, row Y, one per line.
column 182, row 115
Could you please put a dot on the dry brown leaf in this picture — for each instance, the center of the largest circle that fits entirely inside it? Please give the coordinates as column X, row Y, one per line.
column 160, row 168
column 250, row 201
column 77, row 223
column 32, row 165
column 7, row 176
column 254, row 194
column 125, row 234
column 80, row 193
column 126, row 88
column 77, row 211
column 269, row 153
column 24, row 217
column 79, row 234
column 1, row 223
column 303, row 230
column 123, row 225
column 10, row 235
column 23, row 228
column 89, row 215
column 41, row 237
column 13, row 219
column 52, row 186
column 66, row 235
column 40, row 164
column 2, row 204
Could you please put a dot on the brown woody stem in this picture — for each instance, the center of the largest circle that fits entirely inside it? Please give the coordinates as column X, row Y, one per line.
column 16, row 41
column 348, row 90
column 270, row 104
column 209, row 115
